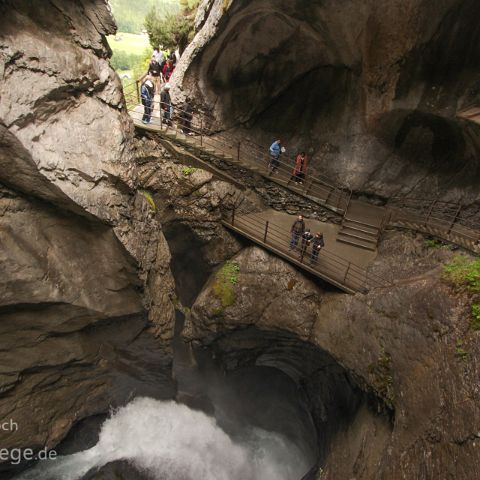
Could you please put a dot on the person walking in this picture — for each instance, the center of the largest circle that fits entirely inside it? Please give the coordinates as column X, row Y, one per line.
column 166, row 104
column 168, row 70
column 154, row 71
column 300, row 168
column 186, row 117
column 297, row 230
column 275, row 151
column 317, row 244
column 159, row 56
column 147, row 92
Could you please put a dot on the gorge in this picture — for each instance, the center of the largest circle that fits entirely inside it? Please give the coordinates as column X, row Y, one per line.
column 142, row 339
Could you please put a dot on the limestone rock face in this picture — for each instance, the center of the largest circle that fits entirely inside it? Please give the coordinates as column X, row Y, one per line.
column 86, row 291
column 190, row 203
column 269, row 294
column 371, row 89
column 62, row 101
column 411, row 345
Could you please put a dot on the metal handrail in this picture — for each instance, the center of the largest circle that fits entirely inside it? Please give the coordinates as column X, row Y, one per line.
column 314, row 186
column 449, row 230
column 435, row 212
column 322, row 189
column 331, row 267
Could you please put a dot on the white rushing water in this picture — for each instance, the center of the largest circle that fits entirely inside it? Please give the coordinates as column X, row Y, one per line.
column 170, row 441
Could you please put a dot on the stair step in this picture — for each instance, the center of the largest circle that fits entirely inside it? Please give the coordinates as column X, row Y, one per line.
column 361, row 227
column 356, row 242
column 353, row 232
column 365, row 223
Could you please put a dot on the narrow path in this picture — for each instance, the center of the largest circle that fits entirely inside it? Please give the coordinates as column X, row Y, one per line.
column 362, row 223
column 342, row 265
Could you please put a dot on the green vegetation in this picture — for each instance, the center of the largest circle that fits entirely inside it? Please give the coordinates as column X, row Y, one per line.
column 433, row 243
column 131, row 54
column 149, row 197
column 382, row 374
column 129, row 43
column 130, row 14
column 463, row 273
column 174, row 29
column 225, row 281
column 131, row 47
column 460, row 352
column 188, row 170
column 476, row 317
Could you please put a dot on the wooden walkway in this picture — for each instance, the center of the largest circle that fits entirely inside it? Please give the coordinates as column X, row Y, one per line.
column 362, row 223
column 272, row 232
column 317, row 189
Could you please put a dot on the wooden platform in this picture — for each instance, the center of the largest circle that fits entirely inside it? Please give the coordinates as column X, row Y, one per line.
column 315, row 189
column 335, row 265
column 362, row 223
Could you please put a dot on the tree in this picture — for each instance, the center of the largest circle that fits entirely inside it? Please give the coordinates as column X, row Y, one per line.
column 172, row 31
column 130, row 14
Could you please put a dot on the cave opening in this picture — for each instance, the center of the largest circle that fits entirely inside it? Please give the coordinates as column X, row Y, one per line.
column 267, row 374
column 189, row 267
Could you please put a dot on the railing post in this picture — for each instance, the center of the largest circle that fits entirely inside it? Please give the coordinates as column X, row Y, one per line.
column 346, row 272
column 137, row 88
column 429, row 212
column 308, row 185
column 160, row 108
column 455, row 218
column 348, row 202
column 233, row 216
column 266, row 231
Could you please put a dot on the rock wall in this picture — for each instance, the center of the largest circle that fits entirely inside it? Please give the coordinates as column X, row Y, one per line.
column 399, row 345
column 86, row 285
column 370, row 89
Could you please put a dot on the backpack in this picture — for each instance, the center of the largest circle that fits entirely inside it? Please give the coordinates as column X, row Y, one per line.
column 154, row 66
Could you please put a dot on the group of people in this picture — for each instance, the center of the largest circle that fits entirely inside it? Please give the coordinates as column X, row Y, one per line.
column 298, row 232
column 300, row 167
column 147, row 93
column 160, row 70
column 161, row 66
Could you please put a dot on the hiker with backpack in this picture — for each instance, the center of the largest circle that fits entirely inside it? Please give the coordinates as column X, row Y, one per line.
column 147, row 92
column 307, row 238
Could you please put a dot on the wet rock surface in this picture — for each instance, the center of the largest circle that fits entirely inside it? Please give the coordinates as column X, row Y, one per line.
column 369, row 89
column 399, row 344
column 86, row 283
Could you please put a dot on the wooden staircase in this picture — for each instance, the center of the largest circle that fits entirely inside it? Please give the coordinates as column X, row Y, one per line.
column 362, row 225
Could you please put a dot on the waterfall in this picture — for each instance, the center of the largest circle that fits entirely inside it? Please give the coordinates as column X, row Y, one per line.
column 170, row 441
